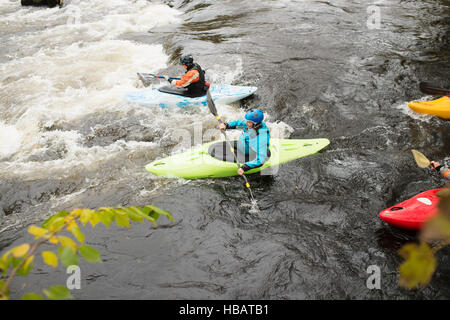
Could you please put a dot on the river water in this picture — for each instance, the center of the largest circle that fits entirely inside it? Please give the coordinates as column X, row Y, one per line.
column 342, row 70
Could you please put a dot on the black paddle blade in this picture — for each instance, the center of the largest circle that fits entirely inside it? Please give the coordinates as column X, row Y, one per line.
column 146, row 78
column 147, row 75
column 211, row 105
column 429, row 88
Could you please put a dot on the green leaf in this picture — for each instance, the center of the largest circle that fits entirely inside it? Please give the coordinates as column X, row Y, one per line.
column 21, row 250
column 27, row 266
column 67, row 256
column 89, row 254
column 134, row 214
column 146, row 210
column 106, row 217
column 50, row 258
column 2, row 284
column 122, row 220
column 77, row 233
column 419, row 266
column 37, row 232
column 58, row 293
column 85, row 216
column 435, row 229
column 32, row 296
column 56, row 223
column 5, row 263
column 67, row 242
column 145, row 215
column 46, row 224
column 157, row 211
column 16, row 262
column 94, row 219
column 150, row 215
column 444, row 203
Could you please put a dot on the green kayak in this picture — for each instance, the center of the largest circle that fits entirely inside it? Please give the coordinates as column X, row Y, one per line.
column 198, row 163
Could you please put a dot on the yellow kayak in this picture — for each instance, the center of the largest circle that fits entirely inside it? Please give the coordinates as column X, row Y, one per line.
column 439, row 107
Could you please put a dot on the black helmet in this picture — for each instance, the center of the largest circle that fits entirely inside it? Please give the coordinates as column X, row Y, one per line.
column 187, row 59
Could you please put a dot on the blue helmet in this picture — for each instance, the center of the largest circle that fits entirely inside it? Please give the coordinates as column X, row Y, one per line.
column 187, row 59
column 255, row 115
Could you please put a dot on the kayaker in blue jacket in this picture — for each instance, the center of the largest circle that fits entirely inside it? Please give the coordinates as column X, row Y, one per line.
column 254, row 141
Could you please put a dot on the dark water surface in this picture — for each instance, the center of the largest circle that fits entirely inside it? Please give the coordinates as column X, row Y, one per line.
column 320, row 70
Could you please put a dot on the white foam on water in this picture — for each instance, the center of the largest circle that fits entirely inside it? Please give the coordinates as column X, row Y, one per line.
column 10, row 140
column 225, row 74
column 253, row 207
column 403, row 107
column 72, row 67
column 7, row 6
column 279, row 130
column 91, row 20
column 72, row 82
column 77, row 158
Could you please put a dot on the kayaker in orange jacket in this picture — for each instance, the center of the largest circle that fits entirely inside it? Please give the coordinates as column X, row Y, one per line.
column 193, row 80
column 444, row 171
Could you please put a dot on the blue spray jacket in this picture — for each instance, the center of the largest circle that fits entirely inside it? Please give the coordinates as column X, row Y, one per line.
column 252, row 141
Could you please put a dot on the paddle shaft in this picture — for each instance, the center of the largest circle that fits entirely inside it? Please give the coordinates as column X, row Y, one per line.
column 157, row 76
column 170, row 78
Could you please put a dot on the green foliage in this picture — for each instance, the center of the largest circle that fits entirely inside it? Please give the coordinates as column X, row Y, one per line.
column 67, row 256
column 89, row 254
column 20, row 260
column 2, row 288
column 419, row 266
column 58, row 293
column 77, row 233
column 420, row 261
column 50, row 258
column 26, row 266
column 122, row 219
column 32, row 296
column 53, row 219
column 436, row 229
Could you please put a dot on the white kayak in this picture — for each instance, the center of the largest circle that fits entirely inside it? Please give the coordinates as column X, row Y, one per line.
column 221, row 93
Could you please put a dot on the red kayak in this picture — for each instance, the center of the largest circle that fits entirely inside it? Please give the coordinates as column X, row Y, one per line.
column 412, row 213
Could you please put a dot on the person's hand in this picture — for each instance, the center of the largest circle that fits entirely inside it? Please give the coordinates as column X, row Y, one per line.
column 241, row 171
column 434, row 164
column 166, row 77
column 222, row 126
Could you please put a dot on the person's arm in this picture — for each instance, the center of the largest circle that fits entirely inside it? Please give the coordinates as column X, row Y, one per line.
column 188, row 78
column 235, row 124
column 444, row 171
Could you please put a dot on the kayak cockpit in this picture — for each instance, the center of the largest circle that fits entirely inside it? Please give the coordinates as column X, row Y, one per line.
column 221, row 151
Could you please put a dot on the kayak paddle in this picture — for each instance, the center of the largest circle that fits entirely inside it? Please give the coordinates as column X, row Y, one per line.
column 421, row 160
column 431, row 89
column 146, row 77
column 212, row 108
